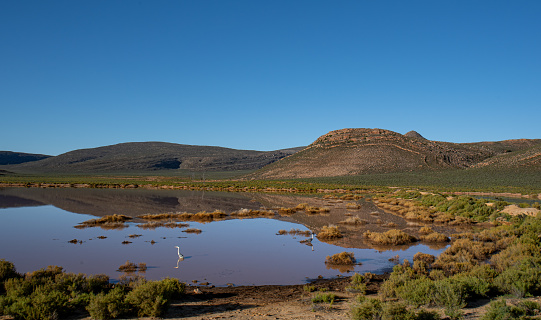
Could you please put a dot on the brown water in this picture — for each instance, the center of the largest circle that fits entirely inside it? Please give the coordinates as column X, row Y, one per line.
column 36, row 226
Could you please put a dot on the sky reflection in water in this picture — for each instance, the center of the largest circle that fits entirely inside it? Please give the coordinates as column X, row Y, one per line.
column 242, row 252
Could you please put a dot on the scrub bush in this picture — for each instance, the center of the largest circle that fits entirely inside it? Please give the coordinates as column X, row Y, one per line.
column 391, row 237
column 152, row 298
column 108, row 306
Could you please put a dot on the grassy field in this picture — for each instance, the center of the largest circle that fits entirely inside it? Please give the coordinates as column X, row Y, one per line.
column 502, row 181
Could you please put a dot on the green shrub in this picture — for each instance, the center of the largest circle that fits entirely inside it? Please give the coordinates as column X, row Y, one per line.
column 7, row 271
column 366, row 309
column 108, row 306
column 450, row 295
column 153, row 298
column 324, row 297
column 396, row 311
column 400, row 275
column 521, row 279
column 42, row 304
column 417, row 292
column 499, row 310
column 358, row 283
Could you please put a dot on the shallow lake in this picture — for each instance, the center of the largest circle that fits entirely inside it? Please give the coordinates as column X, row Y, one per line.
column 37, row 224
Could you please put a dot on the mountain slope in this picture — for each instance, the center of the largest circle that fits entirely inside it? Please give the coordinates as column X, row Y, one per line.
column 148, row 156
column 363, row 151
column 8, row 157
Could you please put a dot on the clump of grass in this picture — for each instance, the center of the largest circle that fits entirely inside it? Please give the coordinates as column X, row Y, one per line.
column 202, row 216
column 329, row 233
column 426, row 230
column 311, row 209
column 249, row 213
column 390, row 225
column 131, row 267
column 115, row 218
column 354, row 221
column 287, row 211
column 75, row 241
column 358, row 283
column 308, row 288
column 295, row 232
column 161, row 224
column 342, row 258
column 193, row 230
column 135, row 235
column 324, row 297
column 391, row 237
column 435, row 237
column 353, row 206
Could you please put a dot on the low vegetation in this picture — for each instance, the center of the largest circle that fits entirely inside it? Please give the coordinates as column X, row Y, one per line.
column 329, row 233
column 390, row 237
column 51, row 293
column 342, row 258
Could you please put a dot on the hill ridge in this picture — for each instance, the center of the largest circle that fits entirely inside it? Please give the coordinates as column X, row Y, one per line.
column 365, row 151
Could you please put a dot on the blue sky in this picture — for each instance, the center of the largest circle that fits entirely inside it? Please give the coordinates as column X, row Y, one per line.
column 265, row 75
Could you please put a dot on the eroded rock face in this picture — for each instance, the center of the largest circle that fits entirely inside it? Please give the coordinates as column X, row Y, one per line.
column 348, row 152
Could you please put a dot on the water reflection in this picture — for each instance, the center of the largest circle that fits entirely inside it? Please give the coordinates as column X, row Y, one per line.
column 242, row 252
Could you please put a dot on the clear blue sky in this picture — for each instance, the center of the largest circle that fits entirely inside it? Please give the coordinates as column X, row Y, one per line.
column 265, row 75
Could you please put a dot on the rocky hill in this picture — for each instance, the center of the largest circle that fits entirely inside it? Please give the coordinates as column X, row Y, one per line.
column 152, row 156
column 363, row 151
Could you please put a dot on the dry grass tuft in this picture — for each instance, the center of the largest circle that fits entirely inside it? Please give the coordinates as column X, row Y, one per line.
column 435, row 237
column 115, row 221
column 354, row 221
column 161, row 224
column 295, row 232
column 353, row 206
column 193, row 230
column 391, row 237
column 342, row 258
column 249, row 213
column 130, row 267
column 329, row 232
column 425, row 230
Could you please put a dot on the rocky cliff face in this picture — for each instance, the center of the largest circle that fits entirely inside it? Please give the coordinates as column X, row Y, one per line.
column 363, row 151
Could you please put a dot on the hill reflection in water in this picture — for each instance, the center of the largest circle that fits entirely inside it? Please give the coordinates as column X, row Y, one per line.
column 36, row 226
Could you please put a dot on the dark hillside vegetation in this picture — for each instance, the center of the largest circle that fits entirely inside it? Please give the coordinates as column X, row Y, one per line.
column 8, row 157
column 152, row 156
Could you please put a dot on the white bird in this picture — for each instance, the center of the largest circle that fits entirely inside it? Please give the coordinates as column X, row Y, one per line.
column 178, row 251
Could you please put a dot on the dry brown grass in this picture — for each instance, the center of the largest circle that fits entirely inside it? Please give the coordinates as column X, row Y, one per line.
column 391, row 237
column 130, row 267
column 249, row 213
column 202, row 216
column 287, row 211
column 161, row 224
column 435, row 237
column 353, row 206
column 354, row 221
column 193, row 230
column 342, row 258
column 329, row 233
column 425, row 230
column 115, row 221
column 295, row 232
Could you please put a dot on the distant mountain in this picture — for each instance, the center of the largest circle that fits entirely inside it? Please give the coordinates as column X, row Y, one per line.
column 150, row 156
column 364, row 151
column 8, row 157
